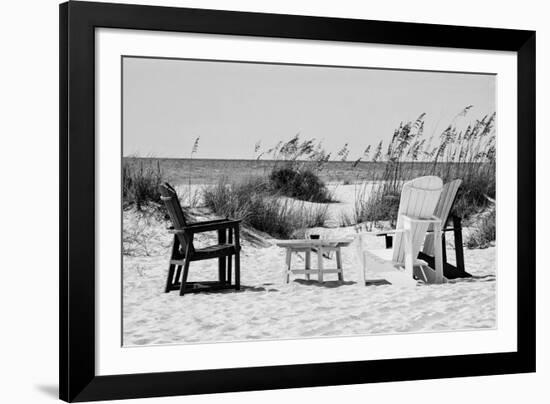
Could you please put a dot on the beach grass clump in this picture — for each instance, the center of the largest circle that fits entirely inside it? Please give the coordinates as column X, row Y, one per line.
column 375, row 202
column 140, row 183
column 312, row 215
column 485, row 232
column 303, row 184
column 297, row 168
column 253, row 201
column 234, row 199
column 476, row 191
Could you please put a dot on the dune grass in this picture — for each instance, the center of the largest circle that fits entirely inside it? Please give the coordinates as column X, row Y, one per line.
column 468, row 155
column 253, row 201
column 140, row 183
column 484, row 233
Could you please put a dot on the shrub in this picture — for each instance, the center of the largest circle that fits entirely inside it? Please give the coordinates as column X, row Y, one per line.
column 303, row 184
column 140, row 183
column 252, row 201
column 282, row 179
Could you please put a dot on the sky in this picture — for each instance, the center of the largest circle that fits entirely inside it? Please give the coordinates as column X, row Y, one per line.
column 231, row 106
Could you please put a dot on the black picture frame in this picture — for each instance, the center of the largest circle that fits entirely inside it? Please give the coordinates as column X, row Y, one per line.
column 77, row 378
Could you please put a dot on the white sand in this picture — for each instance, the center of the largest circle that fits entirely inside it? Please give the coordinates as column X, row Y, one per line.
column 266, row 308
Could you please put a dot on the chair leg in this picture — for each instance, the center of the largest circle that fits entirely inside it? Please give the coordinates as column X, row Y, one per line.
column 444, row 248
column 184, row 277
column 408, row 243
column 389, row 241
column 221, row 269
column 229, row 258
column 222, row 238
column 178, row 274
column 238, row 271
column 169, row 282
column 439, row 278
column 459, row 248
column 171, row 267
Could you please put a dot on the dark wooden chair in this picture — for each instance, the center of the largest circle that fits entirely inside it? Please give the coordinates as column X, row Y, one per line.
column 184, row 252
column 442, row 211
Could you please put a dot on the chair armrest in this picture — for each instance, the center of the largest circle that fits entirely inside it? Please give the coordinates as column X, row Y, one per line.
column 413, row 219
column 178, row 231
column 209, row 222
column 206, row 226
column 446, row 229
column 378, row 234
column 391, row 233
column 200, row 228
column 387, row 233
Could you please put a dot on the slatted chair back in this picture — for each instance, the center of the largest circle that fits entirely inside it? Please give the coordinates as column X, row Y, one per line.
column 172, row 203
column 442, row 211
column 419, row 198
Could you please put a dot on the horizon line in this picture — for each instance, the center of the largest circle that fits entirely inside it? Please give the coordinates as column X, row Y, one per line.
column 300, row 161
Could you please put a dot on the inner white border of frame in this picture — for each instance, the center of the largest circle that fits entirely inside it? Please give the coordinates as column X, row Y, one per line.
column 112, row 358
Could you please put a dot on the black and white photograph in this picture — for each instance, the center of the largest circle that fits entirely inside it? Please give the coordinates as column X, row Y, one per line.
column 266, row 201
column 275, row 201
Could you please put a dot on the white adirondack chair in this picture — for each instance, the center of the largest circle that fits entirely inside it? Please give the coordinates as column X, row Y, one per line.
column 419, row 198
column 442, row 210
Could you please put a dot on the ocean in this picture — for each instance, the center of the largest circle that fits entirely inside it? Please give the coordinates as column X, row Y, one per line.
column 209, row 171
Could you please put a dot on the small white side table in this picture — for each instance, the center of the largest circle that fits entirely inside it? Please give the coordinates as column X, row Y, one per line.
column 318, row 246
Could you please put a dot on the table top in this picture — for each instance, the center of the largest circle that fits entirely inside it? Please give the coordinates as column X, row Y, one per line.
column 327, row 242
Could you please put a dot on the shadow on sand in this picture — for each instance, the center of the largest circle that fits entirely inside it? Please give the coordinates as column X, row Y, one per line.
column 243, row 288
column 475, row 278
column 325, row 284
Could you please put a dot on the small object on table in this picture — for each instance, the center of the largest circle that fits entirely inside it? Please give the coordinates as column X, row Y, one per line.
column 320, row 246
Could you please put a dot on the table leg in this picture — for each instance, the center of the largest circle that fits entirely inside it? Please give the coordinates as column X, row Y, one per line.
column 320, row 264
column 339, row 264
column 288, row 262
column 361, row 258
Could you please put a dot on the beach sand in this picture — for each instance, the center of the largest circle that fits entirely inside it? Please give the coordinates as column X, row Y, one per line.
column 268, row 308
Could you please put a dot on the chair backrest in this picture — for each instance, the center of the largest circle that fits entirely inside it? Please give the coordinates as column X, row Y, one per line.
column 419, row 198
column 172, row 203
column 442, row 211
